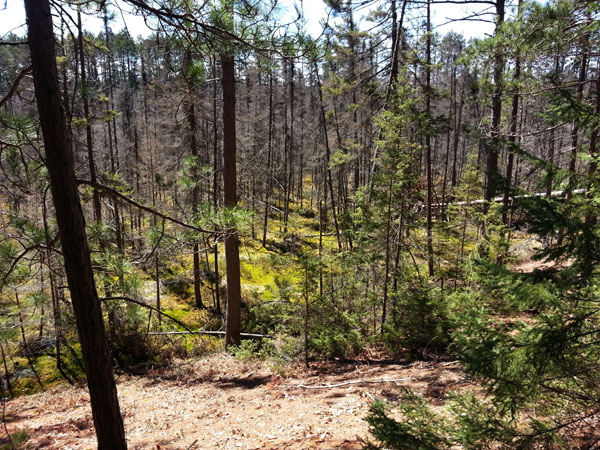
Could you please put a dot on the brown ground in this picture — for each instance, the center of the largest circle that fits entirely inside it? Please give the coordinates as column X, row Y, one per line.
column 221, row 403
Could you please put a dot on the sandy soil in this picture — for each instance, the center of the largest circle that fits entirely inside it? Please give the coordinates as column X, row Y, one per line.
column 221, row 403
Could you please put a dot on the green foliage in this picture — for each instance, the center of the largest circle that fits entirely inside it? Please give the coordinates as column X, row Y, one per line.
column 17, row 440
column 118, row 274
column 339, row 158
column 109, row 116
column 419, row 320
column 277, row 351
column 126, row 323
column 237, row 218
column 543, row 361
column 419, row 428
column 197, row 72
column 334, row 333
column 248, row 350
column 77, row 122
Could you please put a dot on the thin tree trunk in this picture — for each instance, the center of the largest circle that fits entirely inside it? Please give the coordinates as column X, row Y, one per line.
column 6, row 373
column 269, row 161
column 328, row 158
column 428, row 148
column 583, row 63
column 457, row 133
column 388, row 226
column 88, row 126
column 28, row 354
column 191, row 117
column 290, row 158
column 216, row 168
column 157, row 275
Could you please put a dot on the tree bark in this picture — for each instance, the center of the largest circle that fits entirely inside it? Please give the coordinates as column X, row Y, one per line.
column 216, row 183
column 192, row 130
column 429, row 226
column 232, row 256
column 590, row 217
column 492, row 174
column 71, row 223
column 269, row 162
column 512, row 141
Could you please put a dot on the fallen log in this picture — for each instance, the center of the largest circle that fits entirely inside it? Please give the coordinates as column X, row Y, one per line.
column 206, row 332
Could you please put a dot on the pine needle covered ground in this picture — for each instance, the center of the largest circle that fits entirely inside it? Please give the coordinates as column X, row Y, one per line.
column 220, row 402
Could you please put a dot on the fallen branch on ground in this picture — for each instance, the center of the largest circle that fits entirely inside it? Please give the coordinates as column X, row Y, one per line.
column 220, row 333
column 345, row 383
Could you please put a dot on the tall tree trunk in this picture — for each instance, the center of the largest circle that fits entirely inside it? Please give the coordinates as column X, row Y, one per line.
column 269, row 161
column 512, row 143
column 328, row 158
column 590, row 217
column 232, row 257
column 388, row 226
column 551, row 144
column 395, row 46
column 191, row 117
column 428, row 148
column 583, row 65
column 71, row 223
column 56, row 313
column 216, row 167
column 88, row 126
column 397, row 39
column 457, row 126
column 512, row 140
column 290, row 153
column 493, row 178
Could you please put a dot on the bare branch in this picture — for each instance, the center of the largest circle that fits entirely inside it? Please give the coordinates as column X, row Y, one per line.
column 145, row 208
column 15, row 86
column 145, row 305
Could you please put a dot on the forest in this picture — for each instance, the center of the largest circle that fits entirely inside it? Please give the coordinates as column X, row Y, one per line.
column 384, row 234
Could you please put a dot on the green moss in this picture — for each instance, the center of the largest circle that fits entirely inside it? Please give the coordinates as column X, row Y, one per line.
column 17, row 439
column 256, row 272
column 46, row 368
column 192, row 318
column 25, row 386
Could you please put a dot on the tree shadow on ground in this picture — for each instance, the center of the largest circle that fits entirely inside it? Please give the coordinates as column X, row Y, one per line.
column 246, row 383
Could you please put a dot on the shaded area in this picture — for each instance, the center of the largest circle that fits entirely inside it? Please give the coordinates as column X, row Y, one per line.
column 246, row 383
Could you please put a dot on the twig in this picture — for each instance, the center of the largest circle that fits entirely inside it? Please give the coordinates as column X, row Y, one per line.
column 192, row 445
column 345, row 383
column 448, row 363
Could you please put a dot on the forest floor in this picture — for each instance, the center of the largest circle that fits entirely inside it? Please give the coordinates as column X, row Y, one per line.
column 219, row 402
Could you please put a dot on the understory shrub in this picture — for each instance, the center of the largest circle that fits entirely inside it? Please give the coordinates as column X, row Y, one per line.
column 420, row 321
